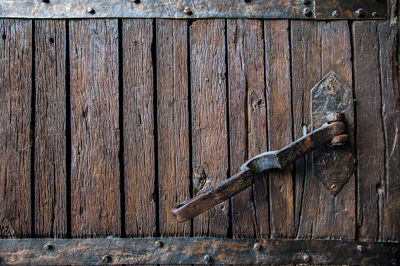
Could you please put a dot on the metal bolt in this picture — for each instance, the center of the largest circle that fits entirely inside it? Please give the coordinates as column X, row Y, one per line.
column 207, row 258
column 136, row 1
column 306, row 2
column 187, row 11
column 361, row 248
column 106, row 259
column 247, row 1
column 374, row 14
column 307, row 12
column 359, row 12
column 90, row 10
column 335, row 13
column 257, row 246
column 306, row 257
column 159, row 244
column 45, row 1
column 48, row 247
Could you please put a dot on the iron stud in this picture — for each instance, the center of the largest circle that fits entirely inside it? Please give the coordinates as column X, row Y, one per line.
column 106, row 259
column 90, row 10
column 359, row 13
column 361, row 248
column 335, row 13
column 187, row 11
column 158, row 244
column 257, row 246
column 306, row 257
column 307, row 12
column 207, row 258
column 48, row 247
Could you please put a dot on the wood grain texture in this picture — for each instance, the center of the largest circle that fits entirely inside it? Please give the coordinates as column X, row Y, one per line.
column 370, row 135
column 318, row 48
column 95, row 133
column 278, row 86
column 15, row 123
column 139, row 158
column 247, row 123
column 209, row 125
column 50, row 129
column 388, row 38
column 173, row 122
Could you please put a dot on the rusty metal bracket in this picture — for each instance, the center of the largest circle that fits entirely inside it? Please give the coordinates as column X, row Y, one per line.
column 188, row 9
column 195, row 251
column 332, row 114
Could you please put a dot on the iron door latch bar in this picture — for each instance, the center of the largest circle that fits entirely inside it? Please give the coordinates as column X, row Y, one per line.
column 330, row 132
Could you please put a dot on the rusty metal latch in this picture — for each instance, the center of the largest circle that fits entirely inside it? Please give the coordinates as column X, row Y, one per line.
column 331, row 102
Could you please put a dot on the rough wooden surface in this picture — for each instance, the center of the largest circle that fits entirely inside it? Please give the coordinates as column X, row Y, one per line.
column 138, row 98
column 15, row 126
column 247, row 122
column 50, row 129
column 317, row 48
column 370, row 135
column 209, row 114
column 95, row 194
column 173, row 122
column 278, row 87
column 391, row 123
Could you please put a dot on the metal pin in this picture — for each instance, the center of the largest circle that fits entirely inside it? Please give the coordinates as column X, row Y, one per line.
column 307, row 12
column 45, row 1
column 207, row 258
column 257, row 246
column 159, row 244
column 187, row 11
column 90, row 10
column 335, row 13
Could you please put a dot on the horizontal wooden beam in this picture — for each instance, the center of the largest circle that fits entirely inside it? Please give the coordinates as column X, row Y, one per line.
column 195, row 251
column 310, row 9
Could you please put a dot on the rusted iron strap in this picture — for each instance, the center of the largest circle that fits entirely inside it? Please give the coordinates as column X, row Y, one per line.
column 317, row 9
column 195, row 251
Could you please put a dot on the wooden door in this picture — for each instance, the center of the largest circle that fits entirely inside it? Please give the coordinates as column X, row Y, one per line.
column 106, row 124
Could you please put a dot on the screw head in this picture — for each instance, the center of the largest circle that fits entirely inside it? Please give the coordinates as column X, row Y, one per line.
column 359, row 13
column 187, row 11
column 306, row 2
column 307, row 12
column 158, row 244
column 306, row 257
column 207, row 259
column 257, row 246
column 48, row 247
column 335, row 13
column 90, row 10
column 106, row 259
column 374, row 14
column 361, row 248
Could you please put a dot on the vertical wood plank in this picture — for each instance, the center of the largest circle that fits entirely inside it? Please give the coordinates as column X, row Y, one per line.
column 15, row 119
column 209, row 113
column 139, row 158
column 391, row 125
column 95, row 134
column 247, row 122
column 173, row 122
column 319, row 47
column 278, row 85
column 370, row 135
column 50, row 143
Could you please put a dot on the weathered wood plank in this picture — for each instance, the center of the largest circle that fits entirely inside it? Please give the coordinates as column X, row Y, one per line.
column 209, row 113
column 15, row 123
column 317, row 48
column 95, row 134
column 370, row 135
column 247, row 122
column 391, row 125
column 50, row 129
column 139, row 158
column 173, row 122
column 278, row 86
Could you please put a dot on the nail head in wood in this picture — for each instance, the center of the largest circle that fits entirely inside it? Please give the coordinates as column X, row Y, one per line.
column 187, row 11
column 361, row 248
column 207, row 259
column 257, row 246
column 359, row 13
column 48, row 247
column 307, row 12
column 106, row 259
column 306, row 257
column 159, row 244
column 335, row 13
column 90, row 10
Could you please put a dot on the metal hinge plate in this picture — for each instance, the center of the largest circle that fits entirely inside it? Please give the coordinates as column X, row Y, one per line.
column 192, row 9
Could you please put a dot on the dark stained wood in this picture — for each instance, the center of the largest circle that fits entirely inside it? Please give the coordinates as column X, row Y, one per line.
column 193, row 251
column 391, row 123
column 50, row 129
column 95, row 133
column 15, row 124
column 247, row 122
column 370, row 135
column 139, row 158
column 173, row 122
column 278, row 87
column 209, row 125
column 317, row 49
